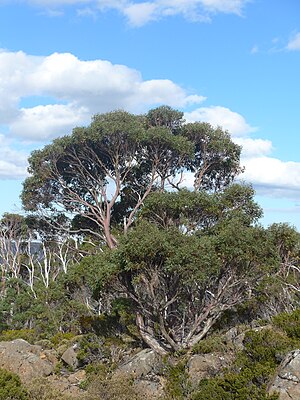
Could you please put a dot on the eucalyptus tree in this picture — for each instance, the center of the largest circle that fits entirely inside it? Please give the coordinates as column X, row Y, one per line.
column 191, row 257
column 103, row 173
column 13, row 234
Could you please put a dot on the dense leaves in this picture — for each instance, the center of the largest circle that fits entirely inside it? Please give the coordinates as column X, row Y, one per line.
column 115, row 243
column 188, row 263
column 104, row 172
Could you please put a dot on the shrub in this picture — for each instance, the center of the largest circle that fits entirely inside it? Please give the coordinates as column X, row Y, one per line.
column 231, row 387
column 43, row 390
column 249, row 375
column 118, row 387
column 289, row 323
column 177, row 385
column 11, row 387
column 90, row 349
column 267, row 346
column 61, row 336
column 214, row 343
column 26, row 334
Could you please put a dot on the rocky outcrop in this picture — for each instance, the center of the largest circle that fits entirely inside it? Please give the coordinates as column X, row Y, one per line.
column 235, row 338
column 68, row 384
column 152, row 388
column 141, row 364
column 287, row 379
column 145, row 367
column 70, row 357
column 201, row 366
column 26, row 360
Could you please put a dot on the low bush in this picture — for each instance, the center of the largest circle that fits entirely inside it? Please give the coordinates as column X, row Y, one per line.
column 118, row 387
column 289, row 323
column 43, row 390
column 177, row 383
column 211, row 344
column 230, row 387
column 26, row 334
column 11, row 387
column 249, row 375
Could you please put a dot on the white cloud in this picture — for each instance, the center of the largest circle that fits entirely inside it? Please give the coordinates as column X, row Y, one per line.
column 86, row 12
column 9, row 170
column 254, row 147
column 54, row 13
column 294, row 43
column 13, row 163
column 54, row 3
column 233, row 122
column 225, row 6
column 79, row 89
column 273, row 177
column 13, row 68
column 84, row 88
column 49, row 121
column 139, row 13
column 269, row 176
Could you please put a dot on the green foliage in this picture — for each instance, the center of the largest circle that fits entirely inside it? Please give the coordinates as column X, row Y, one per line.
column 249, row 375
column 27, row 334
column 289, row 323
column 211, row 389
column 11, row 387
column 153, row 264
column 177, row 385
column 90, row 349
column 165, row 116
column 92, row 273
column 141, row 154
column 15, row 306
column 231, row 387
column 13, row 227
column 211, row 344
column 215, row 155
column 94, row 371
column 202, row 210
column 58, row 368
column 267, row 346
column 286, row 238
column 53, row 309
column 61, row 336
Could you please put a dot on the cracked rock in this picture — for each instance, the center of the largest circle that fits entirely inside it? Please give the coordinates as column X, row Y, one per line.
column 24, row 359
column 287, row 380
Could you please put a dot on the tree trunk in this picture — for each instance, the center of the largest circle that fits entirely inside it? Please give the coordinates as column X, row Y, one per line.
column 149, row 339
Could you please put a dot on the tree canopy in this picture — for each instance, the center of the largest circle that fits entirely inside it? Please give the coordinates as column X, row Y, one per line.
column 103, row 173
column 180, row 251
column 192, row 256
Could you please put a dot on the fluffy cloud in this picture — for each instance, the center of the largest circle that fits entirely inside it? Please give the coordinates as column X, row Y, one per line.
column 294, row 43
column 254, row 147
column 221, row 116
column 270, row 176
column 139, row 13
column 55, row 3
column 13, row 163
column 79, row 89
column 49, row 121
column 273, row 177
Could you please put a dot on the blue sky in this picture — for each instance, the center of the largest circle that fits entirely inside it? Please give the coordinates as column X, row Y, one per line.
column 233, row 63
